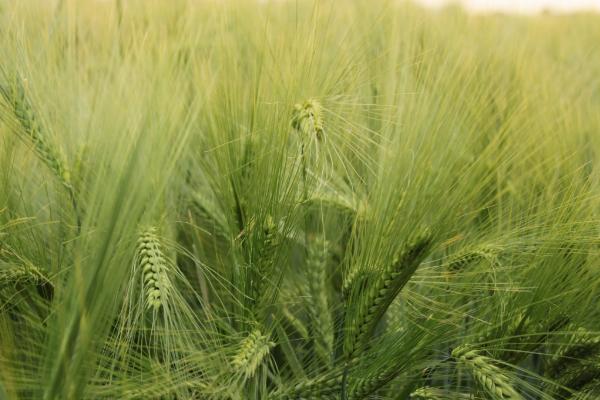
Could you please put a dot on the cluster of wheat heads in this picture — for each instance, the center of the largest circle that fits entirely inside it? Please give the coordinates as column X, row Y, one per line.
column 297, row 200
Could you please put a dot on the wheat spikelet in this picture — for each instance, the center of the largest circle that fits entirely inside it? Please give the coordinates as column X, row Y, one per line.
column 377, row 297
column 154, row 269
column 252, row 352
column 322, row 326
column 308, row 119
column 491, row 378
column 15, row 97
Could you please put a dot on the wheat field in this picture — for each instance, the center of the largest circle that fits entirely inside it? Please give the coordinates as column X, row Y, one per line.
column 297, row 200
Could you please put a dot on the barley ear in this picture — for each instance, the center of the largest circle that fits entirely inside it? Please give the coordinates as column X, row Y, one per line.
column 582, row 345
column 15, row 97
column 252, row 353
column 318, row 303
column 375, row 299
column 154, row 269
column 460, row 261
column 260, row 292
column 491, row 378
column 590, row 391
column 26, row 275
column 21, row 275
column 431, row 393
column 325, row 387
column 307, row 119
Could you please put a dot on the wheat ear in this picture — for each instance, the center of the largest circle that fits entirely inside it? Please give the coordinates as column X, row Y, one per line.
column 26, row 275
column 22, row 275
column 582, row 344
column 296, row 323
column 363, row 387
column 252, row 352
column 154, row 269
column 15, row 97
column 515, row 324
column 375, row 300
column 431, row 393
column 490, row 377
column 577, row 365
column 590, row 391
column 308, row 119
column 528, row 337
column 325, row 387
column 322, row 325
column 23, row 112
column 264, row 263
column 463, row 259
column 582, row 374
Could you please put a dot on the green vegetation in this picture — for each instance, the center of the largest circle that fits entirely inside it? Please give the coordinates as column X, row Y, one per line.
column 346, row 200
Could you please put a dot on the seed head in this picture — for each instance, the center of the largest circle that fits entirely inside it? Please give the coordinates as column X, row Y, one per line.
column 308, row 119
column 154, row 268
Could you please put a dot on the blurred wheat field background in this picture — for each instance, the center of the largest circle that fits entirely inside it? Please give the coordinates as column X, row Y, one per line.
column 297, row 200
